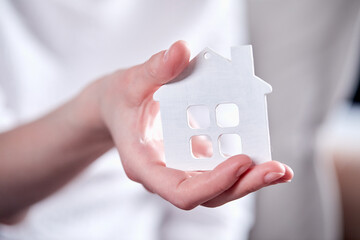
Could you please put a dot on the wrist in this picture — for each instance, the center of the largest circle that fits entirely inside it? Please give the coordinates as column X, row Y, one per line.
column 83, row 114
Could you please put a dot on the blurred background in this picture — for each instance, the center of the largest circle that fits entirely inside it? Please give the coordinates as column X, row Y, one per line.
column 308, row 50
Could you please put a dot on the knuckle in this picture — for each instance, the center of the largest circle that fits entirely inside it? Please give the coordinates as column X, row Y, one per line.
column 130, row 174
column 128, row 76
column 183, row 204
column 150, row 70
column 130, row 87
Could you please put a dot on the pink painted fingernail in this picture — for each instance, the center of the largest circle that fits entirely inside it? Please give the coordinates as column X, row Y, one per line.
column 272, row 176
column 281, row 181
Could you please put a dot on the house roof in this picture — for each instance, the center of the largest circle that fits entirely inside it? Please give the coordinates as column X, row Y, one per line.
column 211, row 76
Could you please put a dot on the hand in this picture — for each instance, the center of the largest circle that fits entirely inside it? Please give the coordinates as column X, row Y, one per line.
column 127, row 109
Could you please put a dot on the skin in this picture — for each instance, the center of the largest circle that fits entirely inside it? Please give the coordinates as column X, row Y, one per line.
column 118, row 110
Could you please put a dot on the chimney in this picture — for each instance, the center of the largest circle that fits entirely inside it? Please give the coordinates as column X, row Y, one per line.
column 242, row 56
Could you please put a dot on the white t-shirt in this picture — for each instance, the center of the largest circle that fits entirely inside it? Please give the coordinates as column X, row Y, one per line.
column 49, row 50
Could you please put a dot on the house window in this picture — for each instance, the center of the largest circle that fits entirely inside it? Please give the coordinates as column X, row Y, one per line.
column 227, row 115
column 229, row 145
column 201, row 146
column 198, row 117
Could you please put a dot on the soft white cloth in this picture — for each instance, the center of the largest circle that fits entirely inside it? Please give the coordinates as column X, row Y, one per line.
column 52, row 49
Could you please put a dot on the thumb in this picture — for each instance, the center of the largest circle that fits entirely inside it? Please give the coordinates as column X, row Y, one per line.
column 146, row 78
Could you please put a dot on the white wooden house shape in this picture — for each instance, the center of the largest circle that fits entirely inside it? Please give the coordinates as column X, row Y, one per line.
column 211, row 80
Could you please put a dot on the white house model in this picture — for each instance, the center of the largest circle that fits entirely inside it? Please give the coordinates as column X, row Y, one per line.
column 231, row 103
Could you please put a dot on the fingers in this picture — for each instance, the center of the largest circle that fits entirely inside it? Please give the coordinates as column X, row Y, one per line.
column 288, row 176
column 146, row 78
column 257, row 177
column 187, row 191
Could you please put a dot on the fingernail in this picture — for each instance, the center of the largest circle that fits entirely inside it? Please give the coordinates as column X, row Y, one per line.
column 281, row 181
column 243, row 169
column 272, row 176
column 166, row 55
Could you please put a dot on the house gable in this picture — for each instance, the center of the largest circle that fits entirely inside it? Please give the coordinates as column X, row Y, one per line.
column 209, row 74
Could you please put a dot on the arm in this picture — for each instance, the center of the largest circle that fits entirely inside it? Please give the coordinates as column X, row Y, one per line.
column 40, row 157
